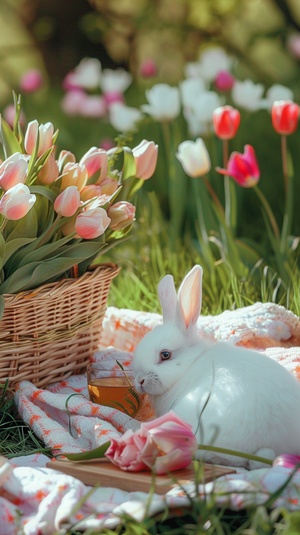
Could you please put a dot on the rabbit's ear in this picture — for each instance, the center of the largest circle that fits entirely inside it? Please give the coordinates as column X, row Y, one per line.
column 167, row 296
column 190, row 296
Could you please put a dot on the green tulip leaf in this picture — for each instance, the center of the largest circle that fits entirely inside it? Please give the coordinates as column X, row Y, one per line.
column 2, row 251
column 46, row 192
column 8, row 139
column 36, row 273
column 97, row 453
column 2, row 306
column 129, row 165
column 14, row 245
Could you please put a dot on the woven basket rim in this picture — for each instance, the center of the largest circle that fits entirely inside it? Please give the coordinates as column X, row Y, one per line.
column 63, row 284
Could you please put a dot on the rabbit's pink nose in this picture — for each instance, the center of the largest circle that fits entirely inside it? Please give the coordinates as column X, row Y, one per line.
column 142, row 381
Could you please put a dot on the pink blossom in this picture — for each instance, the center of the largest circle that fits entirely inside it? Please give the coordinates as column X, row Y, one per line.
column 162, row 445
column 106, row 143
column 9, row 114
column 96, row 163
column 92, row 106
column 287, row 460
column 65, row 156
column 224, row 81
column 243, row 168
column 74, row 174
column 13, row 171
column 49, row 172
column 92, row 223
column 16, row 202
column 145, row 155
column 113, row 96
column 122, row 214
column 148, row 68
column 45, row 133
column 71, row 103
column 31, row 81
column 67, row 202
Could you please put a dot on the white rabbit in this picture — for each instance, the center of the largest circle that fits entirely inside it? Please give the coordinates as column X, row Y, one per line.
column 233, row 397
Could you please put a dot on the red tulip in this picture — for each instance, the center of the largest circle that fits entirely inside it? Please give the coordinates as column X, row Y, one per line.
column 285, row 116
column 243, row 168
column 226, row 121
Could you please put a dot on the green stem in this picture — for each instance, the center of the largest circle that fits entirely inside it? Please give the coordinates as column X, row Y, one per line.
column 213, row 195
column 226, row 185
column 269, row 211
column 285, row 170
column 288, row 188
column 226, row 451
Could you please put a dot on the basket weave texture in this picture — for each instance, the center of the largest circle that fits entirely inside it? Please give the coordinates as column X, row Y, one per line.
column 50, row 333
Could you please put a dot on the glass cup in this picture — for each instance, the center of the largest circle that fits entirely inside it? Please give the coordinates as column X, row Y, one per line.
column 113, row 388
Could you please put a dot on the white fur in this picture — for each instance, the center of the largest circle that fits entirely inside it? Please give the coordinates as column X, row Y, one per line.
column 233, row 397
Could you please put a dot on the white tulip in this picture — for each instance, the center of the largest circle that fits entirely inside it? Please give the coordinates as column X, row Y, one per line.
column 199, row 115
column 213, row 60
column 163, row 102
column 87, row 73
column 122, row 117
column 115, row 81
column 277, row 92
column 194, row 157
column 248, row 95
column 190, row 88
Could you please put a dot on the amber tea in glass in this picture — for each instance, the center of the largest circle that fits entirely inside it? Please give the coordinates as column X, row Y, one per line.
column 113, row 388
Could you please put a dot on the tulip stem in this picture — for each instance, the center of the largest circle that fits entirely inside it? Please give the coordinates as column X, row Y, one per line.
column 226, row 184
column 284, row 163
column 226, row 451
column 269, row 211
column 213, row 194
column 288, row 186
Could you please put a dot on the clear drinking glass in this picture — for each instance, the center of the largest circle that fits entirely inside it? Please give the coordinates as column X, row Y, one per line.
column 113, row 388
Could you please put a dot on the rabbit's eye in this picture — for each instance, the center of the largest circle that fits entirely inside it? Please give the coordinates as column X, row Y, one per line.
column 165, row 354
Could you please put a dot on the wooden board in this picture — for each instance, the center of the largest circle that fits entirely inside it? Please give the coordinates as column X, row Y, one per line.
column 103, row 473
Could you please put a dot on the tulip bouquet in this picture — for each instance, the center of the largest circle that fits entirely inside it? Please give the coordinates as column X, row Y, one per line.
column 57, row 214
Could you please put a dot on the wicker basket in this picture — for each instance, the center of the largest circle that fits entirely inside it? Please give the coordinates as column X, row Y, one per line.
column 50, row 333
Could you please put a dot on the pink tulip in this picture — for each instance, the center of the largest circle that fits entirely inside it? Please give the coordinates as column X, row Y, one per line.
column 148, row 68
column 92, row 223
column 90, row 192
column 65, row 156
column 67, row 202
column 162, row 445
column 145, row 155
column 122, row 214
column 13, row 171
column 96, row 163
column 109, row 186
column 243, row 168
column 113, row 96
column 45, row 131
column 9, row 114
column 74, row 174
column 31, row 81
column 72, row 101
column 49, row 172
column 16, row 202
column 287, row 461
column 224, row 81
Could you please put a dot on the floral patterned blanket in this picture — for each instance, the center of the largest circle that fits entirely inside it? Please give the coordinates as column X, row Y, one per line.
column 37, row 500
